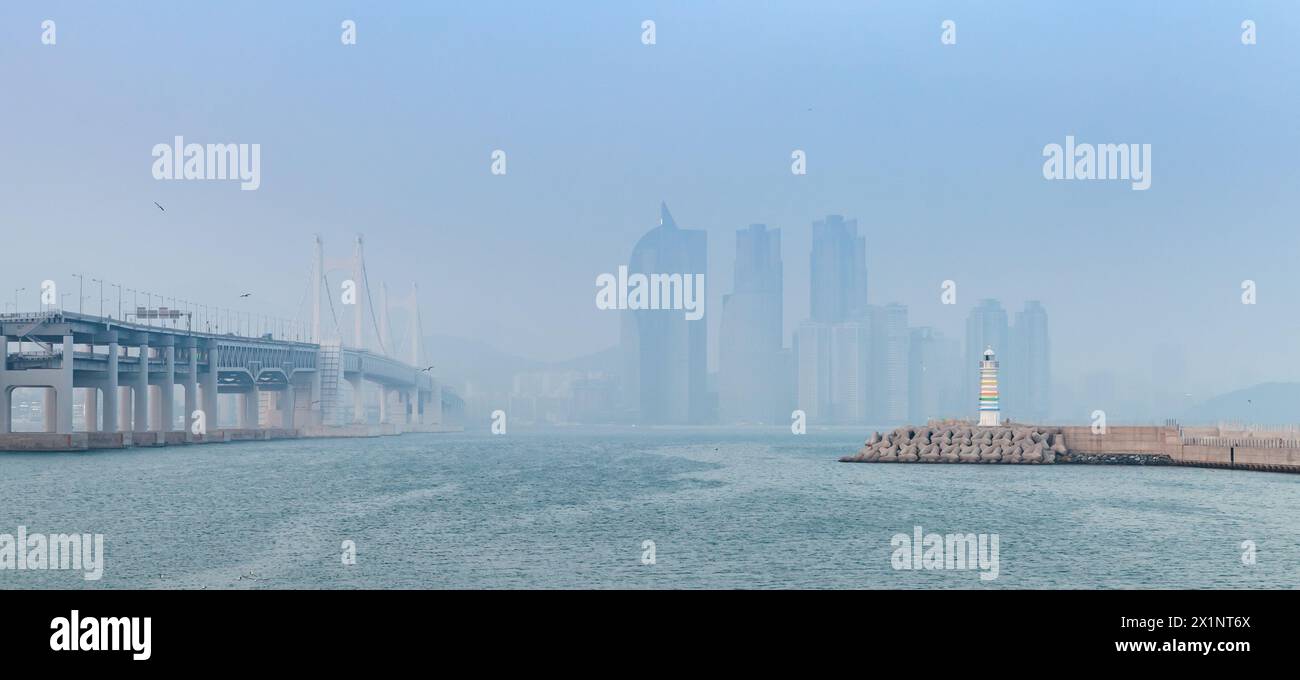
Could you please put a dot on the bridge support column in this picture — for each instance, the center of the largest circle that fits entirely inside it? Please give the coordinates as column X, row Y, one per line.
column 91, row 408
column 168, row 410
column 413, row 406
column 155, row 408
column 191, row 381
column 64, row 390
column 358, row 408
column 49, row 404
column 251, row 405
column 287, row 403
column 433, row 407
column 210, row 385
column 125, row 408
column 383, row 405
column 111, row 390
column 316, row 406
column 6, row 412
column 140, row 410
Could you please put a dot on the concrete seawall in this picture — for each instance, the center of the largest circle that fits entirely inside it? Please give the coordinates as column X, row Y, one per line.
column 42, row 442
column 1248, row 453
column 1144, row 445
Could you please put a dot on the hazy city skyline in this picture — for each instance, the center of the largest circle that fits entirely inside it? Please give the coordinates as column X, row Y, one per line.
column 942, row 180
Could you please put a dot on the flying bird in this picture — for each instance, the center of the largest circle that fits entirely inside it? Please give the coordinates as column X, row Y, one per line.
column 245, row 295
column 160, row 207
column 426, row 370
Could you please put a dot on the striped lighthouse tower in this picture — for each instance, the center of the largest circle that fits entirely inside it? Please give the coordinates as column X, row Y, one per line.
column 989, row 390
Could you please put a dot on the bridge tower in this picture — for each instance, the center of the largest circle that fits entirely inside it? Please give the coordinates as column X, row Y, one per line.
column 322, row 267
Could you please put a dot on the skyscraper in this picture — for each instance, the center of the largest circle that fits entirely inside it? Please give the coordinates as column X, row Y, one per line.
column 838, row 290
column 1031, row 373
column 749, row 354
column 850, row 375
column 890, row 340
column 664, row 354
column 986, row 326
column 812, row 350
column 934, row 376
column 833, row 349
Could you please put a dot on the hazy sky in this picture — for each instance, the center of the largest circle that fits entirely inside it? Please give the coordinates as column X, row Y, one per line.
column 936, row 150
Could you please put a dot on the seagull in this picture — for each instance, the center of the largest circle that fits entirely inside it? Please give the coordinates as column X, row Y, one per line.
column 160, row 207
column 245, row 295
column 426, row 370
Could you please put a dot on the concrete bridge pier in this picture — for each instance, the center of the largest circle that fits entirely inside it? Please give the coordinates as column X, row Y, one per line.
column 168, row 421
column 140, row 390
column 249, row 407
column 49, row 406
column 6, row 412
column 91, row 405
column 315, row 404
column 191, row 381
column 286, row 400
column 125, row 408
column 155, row 408
column 111, row 389
column 358, row 407
column 210, row 392
column 57, row 389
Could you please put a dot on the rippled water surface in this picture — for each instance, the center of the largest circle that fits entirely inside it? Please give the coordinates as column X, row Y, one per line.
column 572, row 509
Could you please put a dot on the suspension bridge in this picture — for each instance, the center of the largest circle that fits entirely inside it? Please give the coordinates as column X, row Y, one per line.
column 284, row 378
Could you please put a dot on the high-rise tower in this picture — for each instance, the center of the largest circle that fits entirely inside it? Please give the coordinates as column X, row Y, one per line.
column 987, row 326
column 664, row 368
column 989, row 390
column 750, row 367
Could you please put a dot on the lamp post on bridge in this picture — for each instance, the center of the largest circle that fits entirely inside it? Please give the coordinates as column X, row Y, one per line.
column 119, row 300
column 81, row 292
column 101, row 296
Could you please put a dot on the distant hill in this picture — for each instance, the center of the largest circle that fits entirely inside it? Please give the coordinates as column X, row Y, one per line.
column 459, row 360
column 1273, row 403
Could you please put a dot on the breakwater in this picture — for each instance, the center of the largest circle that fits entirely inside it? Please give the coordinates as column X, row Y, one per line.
column 963, row 442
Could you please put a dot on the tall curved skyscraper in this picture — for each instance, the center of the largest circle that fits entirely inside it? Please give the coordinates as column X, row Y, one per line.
column 665, row 355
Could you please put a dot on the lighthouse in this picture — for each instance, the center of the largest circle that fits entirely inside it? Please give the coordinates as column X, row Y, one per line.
column 989, row 390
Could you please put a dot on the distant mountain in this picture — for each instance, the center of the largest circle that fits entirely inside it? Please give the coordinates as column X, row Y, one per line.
column 605, row 361
column 1273, row 403
column 460, row 360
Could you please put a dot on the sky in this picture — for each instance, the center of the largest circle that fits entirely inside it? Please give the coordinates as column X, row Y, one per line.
column 935, row 149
